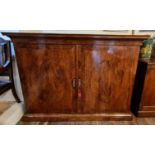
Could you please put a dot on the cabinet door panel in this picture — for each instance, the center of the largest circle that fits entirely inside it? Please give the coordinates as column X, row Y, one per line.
column 46, row 74
column 107, row 75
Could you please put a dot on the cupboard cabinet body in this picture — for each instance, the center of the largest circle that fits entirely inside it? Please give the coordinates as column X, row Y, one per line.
column 77, row 77
column 145, row 82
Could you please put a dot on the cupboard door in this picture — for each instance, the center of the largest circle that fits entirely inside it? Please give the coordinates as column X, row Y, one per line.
column 46, row 73
column 107, row 75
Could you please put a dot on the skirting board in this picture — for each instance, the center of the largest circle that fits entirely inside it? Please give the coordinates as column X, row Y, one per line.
column 12, row 115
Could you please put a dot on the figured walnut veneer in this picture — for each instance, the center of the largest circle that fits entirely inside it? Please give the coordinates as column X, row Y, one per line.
column 50, row 63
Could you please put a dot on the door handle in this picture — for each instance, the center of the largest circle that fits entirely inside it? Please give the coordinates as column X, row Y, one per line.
column 79, row 83
column 74, row 83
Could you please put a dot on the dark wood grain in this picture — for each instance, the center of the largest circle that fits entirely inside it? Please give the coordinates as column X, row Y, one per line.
column 135, row 121
column 47, row 73
column 77, row 117
column 108, row 74
column 42, row 36
column 147, row 101
column 106, row 66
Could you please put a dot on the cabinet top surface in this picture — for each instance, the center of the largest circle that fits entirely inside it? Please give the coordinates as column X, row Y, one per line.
column 79, row 36
column 148, row 61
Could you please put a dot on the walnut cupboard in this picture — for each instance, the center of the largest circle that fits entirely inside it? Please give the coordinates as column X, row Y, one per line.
column 71, row 77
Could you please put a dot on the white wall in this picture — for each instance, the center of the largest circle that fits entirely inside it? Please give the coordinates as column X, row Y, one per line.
column 74, row 31
column 58, row 31
column 66, row 31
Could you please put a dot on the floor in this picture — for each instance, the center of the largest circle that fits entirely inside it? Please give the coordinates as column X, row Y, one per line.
column 135, row 121
column 10, row 112
column 4, row 106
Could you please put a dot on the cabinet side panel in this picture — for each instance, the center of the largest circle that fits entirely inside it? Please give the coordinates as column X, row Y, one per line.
column 148, row 95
